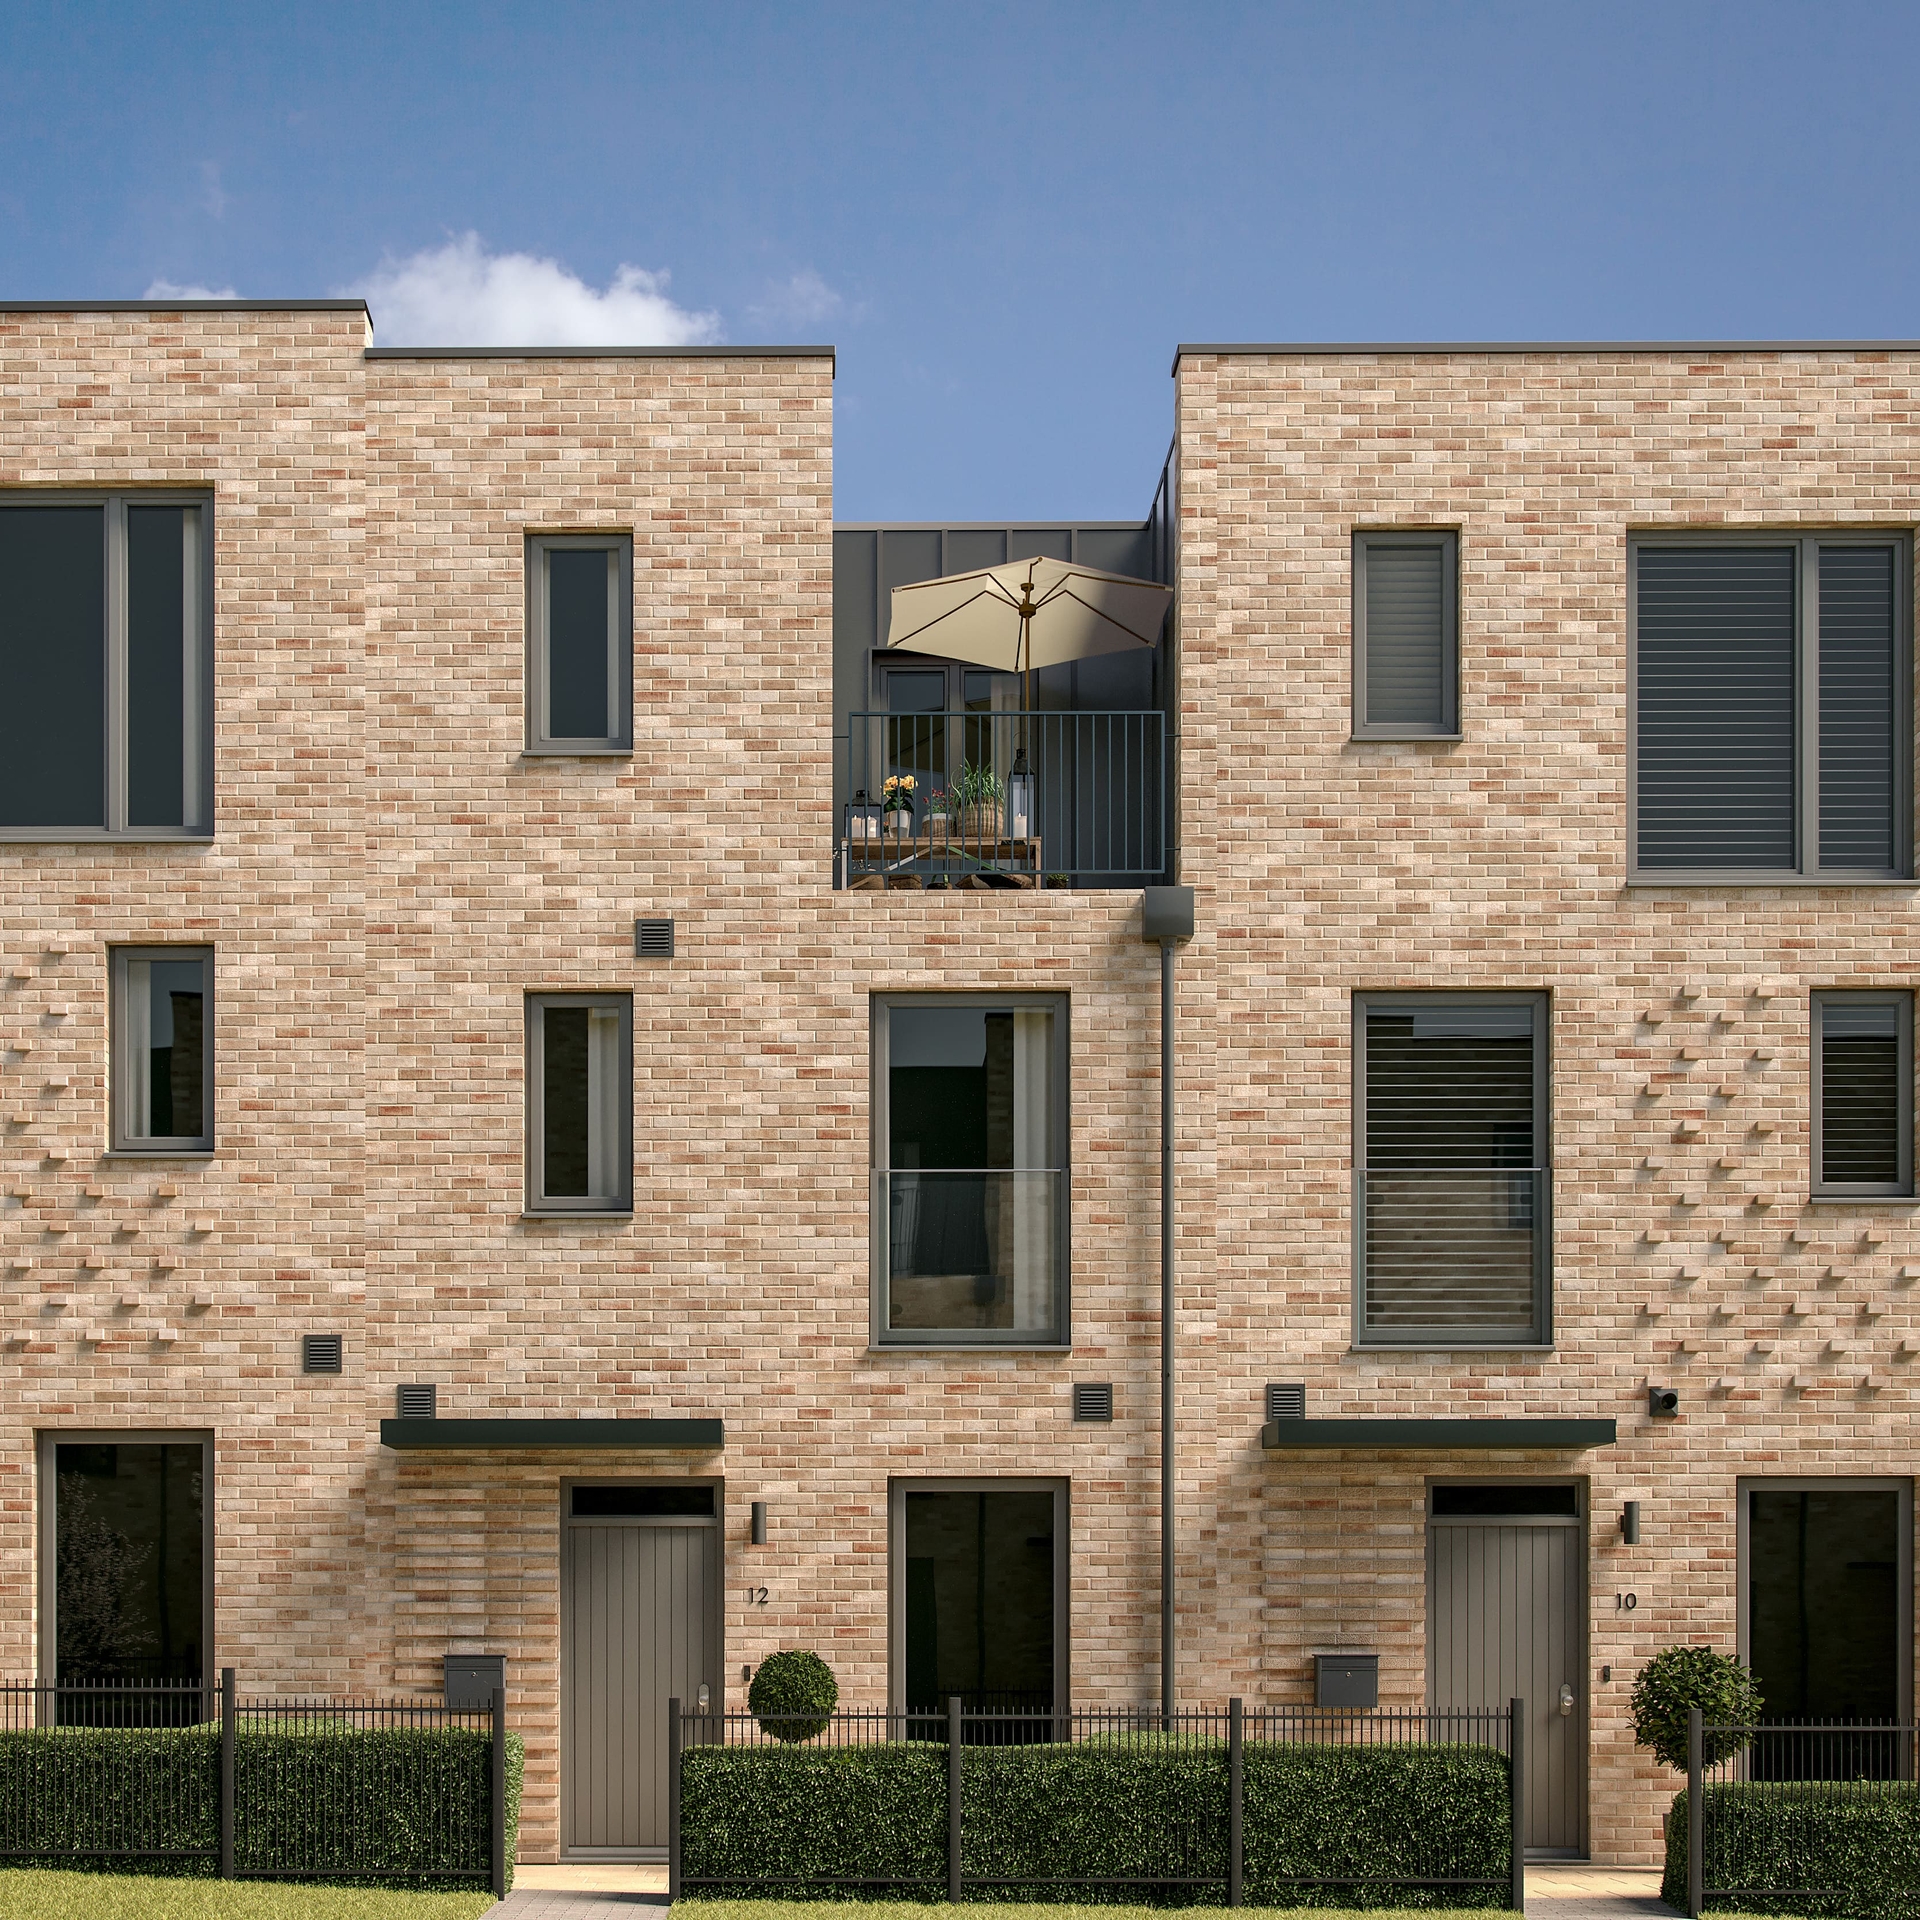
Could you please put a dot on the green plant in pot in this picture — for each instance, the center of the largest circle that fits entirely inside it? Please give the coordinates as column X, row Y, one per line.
column 978, row 797
column 793, row 1682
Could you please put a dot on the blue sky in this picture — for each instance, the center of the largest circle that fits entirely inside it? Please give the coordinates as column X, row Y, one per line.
column 1004, row 216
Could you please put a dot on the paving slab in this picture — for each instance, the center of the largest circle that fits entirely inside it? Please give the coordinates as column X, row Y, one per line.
column 1577, row 1891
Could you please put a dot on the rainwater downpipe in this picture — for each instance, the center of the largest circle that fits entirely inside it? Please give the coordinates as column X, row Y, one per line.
column 1166, row 917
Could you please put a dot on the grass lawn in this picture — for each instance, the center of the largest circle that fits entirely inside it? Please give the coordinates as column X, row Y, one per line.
column 32, row 1895
column 994, row 1910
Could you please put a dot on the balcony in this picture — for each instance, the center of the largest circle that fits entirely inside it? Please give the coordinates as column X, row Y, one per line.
column 1005, row 800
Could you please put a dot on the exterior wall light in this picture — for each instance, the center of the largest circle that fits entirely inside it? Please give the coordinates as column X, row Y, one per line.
column 759, row 1532
column 1663, row 1401
column 1630, row 1523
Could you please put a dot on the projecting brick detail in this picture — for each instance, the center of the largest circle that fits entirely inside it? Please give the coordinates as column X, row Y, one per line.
column 391, row 876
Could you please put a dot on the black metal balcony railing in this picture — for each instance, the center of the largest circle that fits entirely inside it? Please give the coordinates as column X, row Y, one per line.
column 1002, row 800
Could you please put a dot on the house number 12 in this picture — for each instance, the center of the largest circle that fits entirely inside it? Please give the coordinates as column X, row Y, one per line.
column 756, row 1596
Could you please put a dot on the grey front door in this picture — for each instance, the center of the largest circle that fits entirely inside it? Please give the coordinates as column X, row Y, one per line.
column 1506, row 1619
column 639, row 1602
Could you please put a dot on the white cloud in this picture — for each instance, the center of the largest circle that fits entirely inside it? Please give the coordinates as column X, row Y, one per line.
column 804, row 300
column 169, row 290
column 460, row 295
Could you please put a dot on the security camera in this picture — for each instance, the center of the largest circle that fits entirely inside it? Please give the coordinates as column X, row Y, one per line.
column 1664, row 1401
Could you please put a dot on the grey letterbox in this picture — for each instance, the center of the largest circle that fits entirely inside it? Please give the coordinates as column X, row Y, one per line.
column 1346, row 1679
column 470, row 1679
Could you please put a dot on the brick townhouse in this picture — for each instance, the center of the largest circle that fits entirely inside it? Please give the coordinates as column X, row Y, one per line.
column 507, row 1160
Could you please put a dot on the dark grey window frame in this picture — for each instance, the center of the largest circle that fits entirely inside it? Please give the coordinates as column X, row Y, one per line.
column 47, row 1582
column 619, row 548
column 898, row 1487
column 877, row 1221
column 1820, row 1189
column 575, row 1206
column 197, row 745
column 1806, row 871
column 1540, row 1334
column 119, row 1078
column 1447, row 539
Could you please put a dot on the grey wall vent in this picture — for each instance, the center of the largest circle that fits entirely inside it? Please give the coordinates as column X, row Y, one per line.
column 470, row 1678
column 1093, row 1399
column 321, row 1352
column 417, row 1403
column 1286, row 1400
column 653, row 939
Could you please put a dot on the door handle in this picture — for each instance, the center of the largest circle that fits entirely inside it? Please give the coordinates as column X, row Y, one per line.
column 1566, row 1697
column 703, row 1698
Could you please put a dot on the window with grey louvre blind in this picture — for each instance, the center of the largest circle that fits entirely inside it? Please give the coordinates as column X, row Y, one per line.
column 1406, row 670
column 1863, row 1093
column 1452, row 1198
column 1772, row 708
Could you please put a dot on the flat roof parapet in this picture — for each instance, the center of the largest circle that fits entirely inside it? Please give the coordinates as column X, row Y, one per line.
column 1362, row 348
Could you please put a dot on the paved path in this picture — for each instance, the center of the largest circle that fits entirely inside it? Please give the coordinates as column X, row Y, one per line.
column 627, row 1893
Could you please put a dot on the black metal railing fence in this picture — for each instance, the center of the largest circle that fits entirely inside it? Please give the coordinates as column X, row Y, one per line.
column 309, row 1808
column 1772, row 1797
column 1033, row 798
column 1186, row 1846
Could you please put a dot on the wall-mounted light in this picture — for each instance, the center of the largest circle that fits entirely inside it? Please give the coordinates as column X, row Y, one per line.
column 1664, row 1401
column 1020, row 807
column 759, row 1534
column 1630, row 1523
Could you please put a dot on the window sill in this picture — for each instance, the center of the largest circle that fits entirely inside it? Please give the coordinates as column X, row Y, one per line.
column 581, row 1213
column 1415, row 1349
column 1402, row 739
column 1862, row 1200
column 158, row 1153
column 106, row 836
column 576, row 753
column 968, row 1350
column 1746, row 879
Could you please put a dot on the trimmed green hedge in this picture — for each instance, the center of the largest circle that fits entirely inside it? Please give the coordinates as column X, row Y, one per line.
column 1857, row 1841
column 405, row 1807
column 792, row 1822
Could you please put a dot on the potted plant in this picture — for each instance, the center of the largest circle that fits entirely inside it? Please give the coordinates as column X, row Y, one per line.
column 978, row 795
column 896, row 803
column 937, row 814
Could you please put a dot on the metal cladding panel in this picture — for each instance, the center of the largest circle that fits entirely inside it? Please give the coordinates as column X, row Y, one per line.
column 637, row 1611
column 1571, row 1434
column 509, row 1435
column 1504, row 1622
column 1716, row 698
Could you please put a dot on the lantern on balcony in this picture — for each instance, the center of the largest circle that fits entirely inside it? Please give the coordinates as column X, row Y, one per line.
column 863, row 818
column 1021, row 818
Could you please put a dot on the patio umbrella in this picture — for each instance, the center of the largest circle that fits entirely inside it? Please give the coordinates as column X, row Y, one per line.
column 1027, row 614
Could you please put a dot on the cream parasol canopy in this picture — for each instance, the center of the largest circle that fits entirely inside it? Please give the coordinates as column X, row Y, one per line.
column 1027, row 614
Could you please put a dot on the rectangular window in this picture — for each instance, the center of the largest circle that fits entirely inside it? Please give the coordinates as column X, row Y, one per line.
column 1452, row 1202
column 162, row 1049
column 126, row 1593
column 580, row 643
column 105, row 687
column 1406, row 669
column 1863, row 1093
column 970, row 1171
column 1773, row 708
column 580, row 1103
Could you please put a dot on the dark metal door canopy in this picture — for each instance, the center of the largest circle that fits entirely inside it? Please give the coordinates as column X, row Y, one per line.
column 509, row 1435
column 1576, row 1435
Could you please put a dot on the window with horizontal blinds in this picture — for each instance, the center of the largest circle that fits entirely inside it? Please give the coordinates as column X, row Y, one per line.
column 1453, row 1202
column 1772, row 717
column 1859, row 787
column 1863, row 1093
column 1716, row 706
column 1404, row 614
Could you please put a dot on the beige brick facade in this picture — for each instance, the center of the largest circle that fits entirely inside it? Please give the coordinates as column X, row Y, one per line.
column 391, row 875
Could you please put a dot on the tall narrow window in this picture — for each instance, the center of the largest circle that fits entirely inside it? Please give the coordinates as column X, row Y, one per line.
column 163, row 1049
column 969, row 1201
column 103, row 668
column 580, row 1103
column 1452, row 1206
column 1773, row 708
column 1863, row 1093
column 580, row 643
column 1406, row 678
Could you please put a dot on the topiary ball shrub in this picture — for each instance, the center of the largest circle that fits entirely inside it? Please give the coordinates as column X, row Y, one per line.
column 1681, row 1678
column 793, row 1682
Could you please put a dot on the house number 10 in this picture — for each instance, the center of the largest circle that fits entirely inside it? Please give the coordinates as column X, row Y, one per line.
column 1626, row 1601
